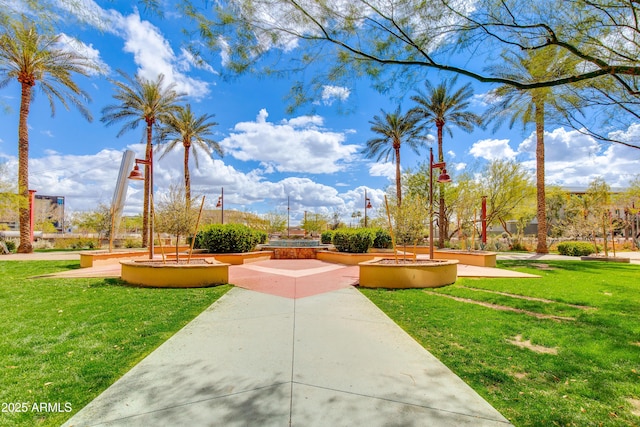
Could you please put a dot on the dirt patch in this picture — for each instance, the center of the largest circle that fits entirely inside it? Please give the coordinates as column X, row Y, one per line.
column 524, row 297
column 503, row 307
column 520, row 375
column 518, row 341
column 544, row 267
column 635, row 406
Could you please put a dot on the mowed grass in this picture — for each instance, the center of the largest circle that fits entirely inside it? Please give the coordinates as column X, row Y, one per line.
column 594, row 377
column 64, row 341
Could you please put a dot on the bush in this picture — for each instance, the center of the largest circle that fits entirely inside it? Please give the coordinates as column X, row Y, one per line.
column 576, row 248
column 382, row 239
column 326, row 237
column 228, row 238
column 132, row 243
column 11, row 245
column 261, row 236
column 353, row 240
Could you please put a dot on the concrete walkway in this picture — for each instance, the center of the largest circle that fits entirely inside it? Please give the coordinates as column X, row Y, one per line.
column 290, row 358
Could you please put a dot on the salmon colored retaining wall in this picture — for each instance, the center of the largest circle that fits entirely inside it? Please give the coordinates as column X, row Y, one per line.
column 243, row 258
column 158, row 275
column 349, row 258
column 404, row 276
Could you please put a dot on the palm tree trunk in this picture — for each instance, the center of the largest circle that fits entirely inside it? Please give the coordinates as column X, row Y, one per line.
column 147, row 190
column 23, row 170
column 187, row 176
column 398, row 177
column 441, row 211
column 540, row 190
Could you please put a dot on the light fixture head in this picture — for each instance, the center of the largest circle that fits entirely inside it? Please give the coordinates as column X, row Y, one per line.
column 136, row 174
column 444, row 176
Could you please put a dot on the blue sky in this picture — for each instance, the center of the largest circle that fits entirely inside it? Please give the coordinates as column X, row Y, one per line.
column 314, row 159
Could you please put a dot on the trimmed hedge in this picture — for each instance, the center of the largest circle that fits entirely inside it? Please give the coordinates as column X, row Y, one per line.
column 576, row 248
column 229, row 238
column 382, row 239
column 326, row 237
column 353, row 240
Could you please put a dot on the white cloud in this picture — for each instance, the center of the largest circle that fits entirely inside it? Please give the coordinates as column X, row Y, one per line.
column 331, row 93
column 492, row 149
column 296, row 145
column 387, row 169
column 151, row 51
column 86, row 51
column 575, row 159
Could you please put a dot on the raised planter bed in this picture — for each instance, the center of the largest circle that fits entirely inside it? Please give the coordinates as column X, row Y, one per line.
column 93, row 258
column 385, row 273
column 198, row 274
column 476, row 258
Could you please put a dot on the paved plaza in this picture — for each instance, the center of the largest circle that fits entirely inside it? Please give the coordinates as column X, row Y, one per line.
column 292, row 344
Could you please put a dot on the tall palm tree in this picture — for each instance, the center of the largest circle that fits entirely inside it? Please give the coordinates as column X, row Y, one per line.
column 142, row 100
column 445, row 107
column 32, row 57
column 533, row 106
column 193, row 133
column 395, row 130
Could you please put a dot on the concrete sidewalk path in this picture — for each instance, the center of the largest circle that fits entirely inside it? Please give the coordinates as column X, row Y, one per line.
column 258, row 359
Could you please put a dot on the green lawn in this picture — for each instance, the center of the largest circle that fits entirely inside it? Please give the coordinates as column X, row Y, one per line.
column 593, row 380
column 64, row 341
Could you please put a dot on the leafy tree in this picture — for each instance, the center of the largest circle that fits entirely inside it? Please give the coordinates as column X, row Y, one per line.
column 30, row 56
column 598, row 197
column 193, row 133
column 277, row 221
column 98, row 221
column 399, row 41
column 508, row 187
column 395, row 130
column 9, row 198
column 533, row 106
column 142, row 100
column 175, row 215
column 315, row 223
column 444, row 107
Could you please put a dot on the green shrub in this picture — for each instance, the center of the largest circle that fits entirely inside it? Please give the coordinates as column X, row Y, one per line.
column 132, row 243
column 261, row 236
column 576, row 248
column 228, row 238
column 11, row 245
column 353, row 240
column 326, row 237
column 382, row 239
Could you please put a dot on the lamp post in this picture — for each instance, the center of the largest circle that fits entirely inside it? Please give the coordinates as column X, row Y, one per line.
column 137, row 175
column 367, row 205
column 443, row 177
column 220, row 204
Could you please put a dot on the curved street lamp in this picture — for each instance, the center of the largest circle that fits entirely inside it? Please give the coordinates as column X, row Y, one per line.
column 367, row 205
column 443, row 177
column 138, row 176
column 220, row 204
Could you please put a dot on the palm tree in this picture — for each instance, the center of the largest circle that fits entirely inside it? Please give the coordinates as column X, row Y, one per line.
column 192, row 132
column 530, row 106
column 32, row 57
column 395, row 130
column 444, row 107
column 142, row 100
